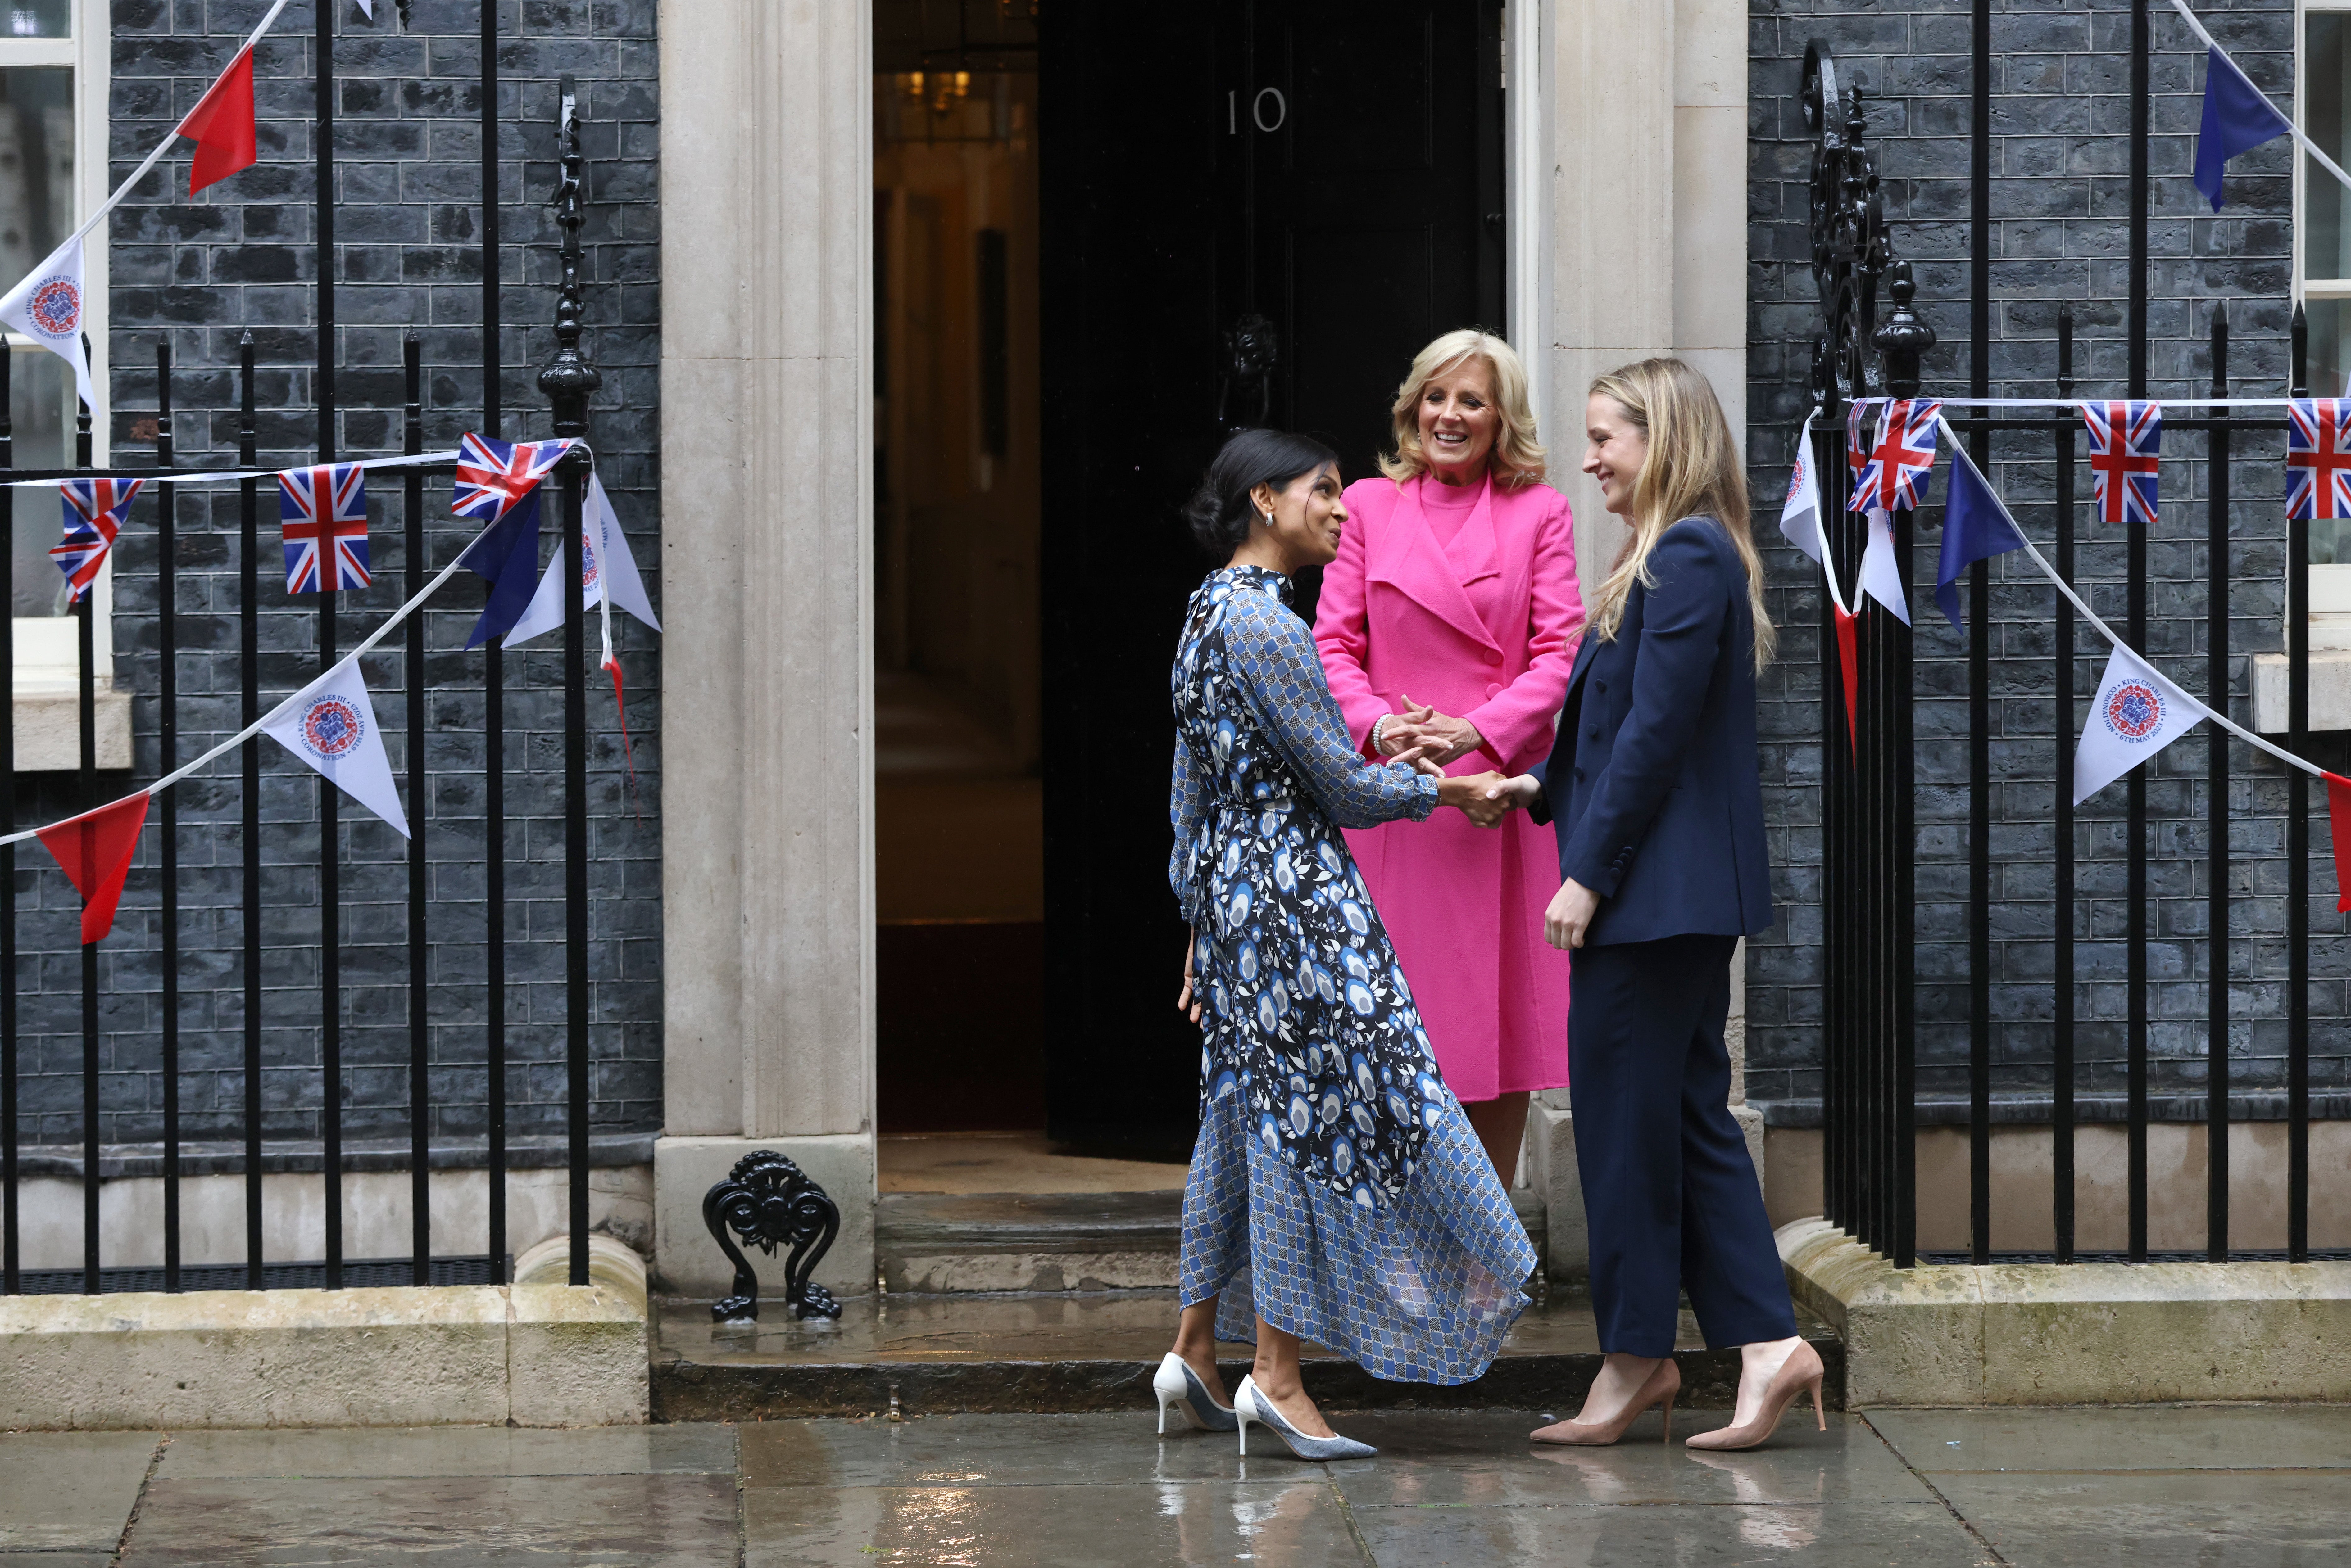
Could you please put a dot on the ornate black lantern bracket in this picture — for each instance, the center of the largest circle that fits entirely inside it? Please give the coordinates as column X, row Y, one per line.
column 568, row 380
column 1853, row 251
column 769, row 1201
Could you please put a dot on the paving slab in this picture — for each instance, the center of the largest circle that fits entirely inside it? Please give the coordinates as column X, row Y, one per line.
column 1447, row 1459
column 2157, row 1519
column 1816, row 1535
column 1296, row 1522
column 450, row 1451
column 454, row 1521
column 983, row 1450
column 2185, row 1436
column 63, row 1492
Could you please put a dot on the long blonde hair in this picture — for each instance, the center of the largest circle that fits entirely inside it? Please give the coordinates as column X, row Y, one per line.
column 1692, row 471
column 1518, row 457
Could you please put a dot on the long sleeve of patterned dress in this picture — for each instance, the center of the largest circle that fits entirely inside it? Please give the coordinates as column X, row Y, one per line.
column 1276, row 655
column 1188, row 805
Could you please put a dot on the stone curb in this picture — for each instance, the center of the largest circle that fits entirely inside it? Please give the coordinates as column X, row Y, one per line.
column 532, row 1354
column 2073, row 1334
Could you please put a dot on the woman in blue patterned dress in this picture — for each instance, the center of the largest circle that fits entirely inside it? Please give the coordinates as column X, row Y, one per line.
column 1337, row 1193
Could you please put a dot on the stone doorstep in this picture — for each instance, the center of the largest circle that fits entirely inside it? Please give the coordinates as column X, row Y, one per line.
column 2077, row 1334
column 690, row 1391
column 1070, row 1353
column 537, row 1353
column 1041, row 1242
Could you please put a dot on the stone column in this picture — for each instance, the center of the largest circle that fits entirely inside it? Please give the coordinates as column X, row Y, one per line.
column 768, row 863
column 1647, row 231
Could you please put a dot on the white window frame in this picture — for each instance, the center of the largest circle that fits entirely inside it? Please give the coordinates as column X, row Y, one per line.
column 48, row 658
column 2330, row 585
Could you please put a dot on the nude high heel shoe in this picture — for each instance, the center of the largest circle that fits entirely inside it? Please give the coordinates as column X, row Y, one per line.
column 1664, row 1381
column 1801, row 1371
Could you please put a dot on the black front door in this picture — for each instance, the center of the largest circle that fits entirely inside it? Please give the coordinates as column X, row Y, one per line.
column 1331, row 168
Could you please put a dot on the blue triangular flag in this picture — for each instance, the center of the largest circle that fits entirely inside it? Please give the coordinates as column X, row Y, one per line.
column 2237, row 119
column 1975, row 529
column 506, row 555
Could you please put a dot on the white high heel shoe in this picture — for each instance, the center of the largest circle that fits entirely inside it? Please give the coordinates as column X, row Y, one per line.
column 1179, row 1389
column 1250, row 1403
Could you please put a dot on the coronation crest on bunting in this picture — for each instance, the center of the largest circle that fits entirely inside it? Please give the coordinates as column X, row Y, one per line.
column 333, row 727
column 2134, row 711
column 56, row 306
column 2317, row 460
column 1895, row 467
column 493, row 475
column 2125, row 444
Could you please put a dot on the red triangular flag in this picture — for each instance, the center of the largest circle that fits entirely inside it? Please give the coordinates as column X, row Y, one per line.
column 220, row 125
column 2338, row 818
column 622, row 708
column 1849, row 658
column 94, row 850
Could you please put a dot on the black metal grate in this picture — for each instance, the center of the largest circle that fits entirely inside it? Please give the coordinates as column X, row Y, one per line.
column 472, row 1270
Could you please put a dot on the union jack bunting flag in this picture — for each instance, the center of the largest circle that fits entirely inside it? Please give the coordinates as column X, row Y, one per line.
column 94, row 511
column 324, row 508
column 1856, row 442
column 1897, row 466
column 2317, row 460
column 493, row 475
column 2125, row 438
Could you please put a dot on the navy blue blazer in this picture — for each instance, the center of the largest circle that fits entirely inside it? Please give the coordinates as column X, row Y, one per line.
column 1653, row 777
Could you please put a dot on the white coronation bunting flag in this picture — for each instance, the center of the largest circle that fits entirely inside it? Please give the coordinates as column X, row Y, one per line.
column 1881, row 575
column 627, row 590
column 46, row 307
column 608, row 573
column 1800, row 519
column 330, row 725
column 2137, row 715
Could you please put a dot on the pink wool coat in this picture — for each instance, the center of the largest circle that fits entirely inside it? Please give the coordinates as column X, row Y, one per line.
column 1485, row 629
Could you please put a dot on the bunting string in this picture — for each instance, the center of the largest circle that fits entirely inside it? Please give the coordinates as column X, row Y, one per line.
column 1960, row 454
column 2318, row 154
column 170, row 137
column 2078, row 401
column 342, row 666
column 227, row 475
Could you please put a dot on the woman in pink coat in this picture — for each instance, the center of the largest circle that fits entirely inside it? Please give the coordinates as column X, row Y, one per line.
column 1450, row 619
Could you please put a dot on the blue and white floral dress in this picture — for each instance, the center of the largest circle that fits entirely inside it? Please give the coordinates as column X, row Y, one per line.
column 1336, row 1187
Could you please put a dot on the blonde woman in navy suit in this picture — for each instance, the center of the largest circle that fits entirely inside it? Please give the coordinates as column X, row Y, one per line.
column 1653, row 784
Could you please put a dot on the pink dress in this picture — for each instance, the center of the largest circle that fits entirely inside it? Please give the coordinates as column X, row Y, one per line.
column 1464, row 597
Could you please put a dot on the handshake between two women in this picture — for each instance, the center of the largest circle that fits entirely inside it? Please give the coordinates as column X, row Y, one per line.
column 1429, row 741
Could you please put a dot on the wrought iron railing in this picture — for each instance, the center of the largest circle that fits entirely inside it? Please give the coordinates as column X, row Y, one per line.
column 268, row 670
column 1873, row 1103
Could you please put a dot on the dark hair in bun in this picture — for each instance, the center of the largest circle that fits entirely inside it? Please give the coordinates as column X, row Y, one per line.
column 1220, row 511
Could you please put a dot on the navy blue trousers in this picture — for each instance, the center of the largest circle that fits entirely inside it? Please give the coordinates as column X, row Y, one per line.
column 1669, row 1194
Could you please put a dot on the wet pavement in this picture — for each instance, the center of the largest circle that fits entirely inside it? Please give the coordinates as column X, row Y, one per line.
column 2051, row 1489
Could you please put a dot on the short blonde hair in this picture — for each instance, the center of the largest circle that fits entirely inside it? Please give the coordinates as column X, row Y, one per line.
column 1692, row 471
column 1518, row 456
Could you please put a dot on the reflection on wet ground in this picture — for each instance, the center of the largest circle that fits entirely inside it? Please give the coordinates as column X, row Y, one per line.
column 2146, row 1487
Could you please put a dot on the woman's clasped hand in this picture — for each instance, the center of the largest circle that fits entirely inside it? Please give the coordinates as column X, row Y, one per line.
column 1484, row 798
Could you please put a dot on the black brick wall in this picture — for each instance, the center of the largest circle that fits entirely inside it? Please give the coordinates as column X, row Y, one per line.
column 2059, row 207
column 242, row 256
